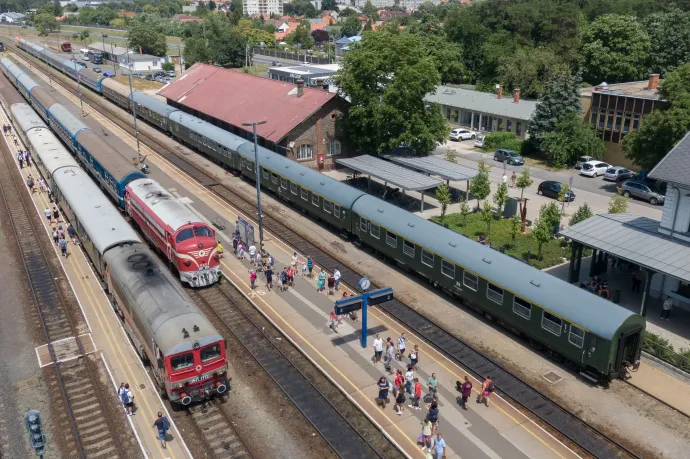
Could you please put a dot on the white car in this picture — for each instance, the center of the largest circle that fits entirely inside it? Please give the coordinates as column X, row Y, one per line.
column 594, row 168
column 462, row 134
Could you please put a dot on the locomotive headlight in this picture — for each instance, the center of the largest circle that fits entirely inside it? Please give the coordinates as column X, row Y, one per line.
column 187, row 263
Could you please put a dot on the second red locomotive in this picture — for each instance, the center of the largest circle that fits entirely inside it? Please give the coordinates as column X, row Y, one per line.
column 187, row 243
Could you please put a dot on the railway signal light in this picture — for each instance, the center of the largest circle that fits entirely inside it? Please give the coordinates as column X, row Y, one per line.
column 37, row 439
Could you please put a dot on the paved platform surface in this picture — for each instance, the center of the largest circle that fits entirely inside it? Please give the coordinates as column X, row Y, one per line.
column 111, row 341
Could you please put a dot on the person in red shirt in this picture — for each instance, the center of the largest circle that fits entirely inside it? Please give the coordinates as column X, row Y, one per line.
column 466, row 390
column 417, row 394
column 334, row 320
column 397, row 382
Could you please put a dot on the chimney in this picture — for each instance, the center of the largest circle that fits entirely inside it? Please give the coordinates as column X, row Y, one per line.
column 516, row 95
column 500, row 90
column 300, row 87
column 653, row 81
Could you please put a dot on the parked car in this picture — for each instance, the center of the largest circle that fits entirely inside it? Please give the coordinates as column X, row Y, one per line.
column 149, row 77
column 639, row 190
column 137, row 75
column 170, row 74
column 81, row 63
column 96, row 69
column 616, row 173
column 552, row 189
column 583, row 159
column 159, row 74
column 594, row 168
column 108, row 74
column 166, row 80
column 479, row 141
column 276, row 64
column 462, row 134
column 508, row 156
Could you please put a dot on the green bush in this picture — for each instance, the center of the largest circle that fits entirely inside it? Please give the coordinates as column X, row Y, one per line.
column 660, row 348
column 168, row 66
column 507, row 140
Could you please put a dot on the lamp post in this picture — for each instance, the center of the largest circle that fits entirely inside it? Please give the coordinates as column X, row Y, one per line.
column 113, row 57
column 81, row 101
column 134, row 108
column 50, row 74
column 258, row 180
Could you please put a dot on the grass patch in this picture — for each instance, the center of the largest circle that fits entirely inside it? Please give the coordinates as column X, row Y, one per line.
column 552, row 253
column 139, row 84
column 256, row 69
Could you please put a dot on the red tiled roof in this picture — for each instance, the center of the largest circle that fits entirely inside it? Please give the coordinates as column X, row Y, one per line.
column 236, row 98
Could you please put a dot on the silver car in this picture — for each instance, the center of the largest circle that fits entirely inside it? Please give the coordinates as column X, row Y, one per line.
column 616, row 173
column 639, row 190
column 581, row 160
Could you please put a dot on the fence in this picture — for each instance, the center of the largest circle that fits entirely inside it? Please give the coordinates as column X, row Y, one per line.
column 663, row 350
column 274, row 52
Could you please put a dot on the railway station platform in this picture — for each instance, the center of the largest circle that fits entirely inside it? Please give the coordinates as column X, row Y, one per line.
column 110, row 341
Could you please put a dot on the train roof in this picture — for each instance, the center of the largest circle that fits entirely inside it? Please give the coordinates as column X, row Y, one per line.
column 51, row 151
column 15, row 70
column 319, row 183
column 158, row 301
column 94, row 211
column 26, row 117
column 89, row 73
column 115, row 86
column 71, row 65
column 599, row 316
column 152, row 104
column 170, row 210
column 27, row 82
column 70, row 122
column 6, row 63
column 208, row 130
column 43, row 97
column 114, row 161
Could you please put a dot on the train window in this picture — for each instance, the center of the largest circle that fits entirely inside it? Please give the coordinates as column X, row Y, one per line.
column 202, row 231
column 494, row 293
column 264, row 172
column 408, row 248
column 363, row 224
column 210, row 352
column 283, row 183
column 180, row 362
column 305, row 194
column 448, row 269
column 427, row 258
column 327, row 206
column 274, row 178
column 375, row 230
column 469, row 280
column 336, row 210
column 315, row 199
column 551, row 323
column 185, row 234
column 293, row 188
column 577, row 336
column 522, row 308
column 391, row 239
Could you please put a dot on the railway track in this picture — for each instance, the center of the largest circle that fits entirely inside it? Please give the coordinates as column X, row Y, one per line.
column 240, row 318
column 75, row 378
column 216, row 428
column 568, row 424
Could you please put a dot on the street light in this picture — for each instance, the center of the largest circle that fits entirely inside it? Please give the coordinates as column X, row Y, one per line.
column 134, row 109
column 258, row 180
column 81, row 101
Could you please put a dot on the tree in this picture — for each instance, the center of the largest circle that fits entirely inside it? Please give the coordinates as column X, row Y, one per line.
column 370, row 10
column 572, row 137
column 480, row 185
column 71, row 8
column 45, row 23
column 211, row 5
column 515, row 225
column 527, row 69
column 501, row 196
column 669, row 35
column 661, row 129
column 84, row 35
column 386, row 77
column 168, row 66
column 444, row 198
column 524, row 181
column 144, row 34
column 329, row 5
column 487, row 215
column 581, row 214
column 615, row 49
column 229, row 49
column 466, row 27
column 351, row 27
column 451, row 155
column 320, row 36
column 618, row 203
column 561, row 96
column 551, row 215
column 302, row 36
column 563, row 197
column 447, row 56
column 464, row 211
column 300, row 8
column 542, row 233
column 196, row 49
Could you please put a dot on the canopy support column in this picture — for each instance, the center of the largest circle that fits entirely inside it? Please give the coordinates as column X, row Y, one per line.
column 645, row 293
column 422, row 201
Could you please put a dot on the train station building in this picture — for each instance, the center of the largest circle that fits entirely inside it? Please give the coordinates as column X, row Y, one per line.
column 300, row 122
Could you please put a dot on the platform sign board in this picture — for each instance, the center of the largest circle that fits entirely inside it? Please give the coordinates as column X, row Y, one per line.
column 246, row 232
column 355, row 303
column 347, row 306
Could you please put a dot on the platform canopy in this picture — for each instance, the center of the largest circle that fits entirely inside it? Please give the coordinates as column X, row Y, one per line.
column 435, row 165
column 390, row 173
column 635, row 239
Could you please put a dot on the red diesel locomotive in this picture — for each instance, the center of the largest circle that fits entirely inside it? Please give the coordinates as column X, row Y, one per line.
column 188, row 243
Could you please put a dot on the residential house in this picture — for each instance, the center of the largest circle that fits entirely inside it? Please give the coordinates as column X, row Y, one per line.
column 342, row 45
column 126, row 14
column 269, row 7
column 386, row 15
column 13, row 18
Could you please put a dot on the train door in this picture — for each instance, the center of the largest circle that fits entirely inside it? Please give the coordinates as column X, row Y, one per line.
column 628, row 345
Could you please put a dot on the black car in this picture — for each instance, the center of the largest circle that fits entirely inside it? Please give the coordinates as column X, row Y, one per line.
column 149, row 77
column 552, row 189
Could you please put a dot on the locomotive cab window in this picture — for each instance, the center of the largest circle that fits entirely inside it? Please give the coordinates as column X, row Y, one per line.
column 185, row 234
column 375, row 230
column 469, row 280
column 522, row 308
column 428, row 258
column 210, row 352
column 494, row 293
column 180, row 362
column 577, row 336
column 202, row 231
column 448, row 268
column 551, row 323
column 391, row 239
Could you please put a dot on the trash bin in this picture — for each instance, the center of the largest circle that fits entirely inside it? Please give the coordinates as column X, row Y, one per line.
column 617, row 296
column 511, row 208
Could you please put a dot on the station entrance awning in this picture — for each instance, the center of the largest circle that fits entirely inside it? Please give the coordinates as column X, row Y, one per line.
column 437, row 166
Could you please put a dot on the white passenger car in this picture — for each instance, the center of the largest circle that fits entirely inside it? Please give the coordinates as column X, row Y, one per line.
column 594, row 168
column 462, row 134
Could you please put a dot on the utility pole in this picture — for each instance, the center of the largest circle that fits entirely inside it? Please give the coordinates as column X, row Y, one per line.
column 50, row 75
column 134, row 108
column 113, row 57
column 81, row 101
column 258, row 181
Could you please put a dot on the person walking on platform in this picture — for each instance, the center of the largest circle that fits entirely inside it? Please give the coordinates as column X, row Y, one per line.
column 487, row 389
column 27, row 158
column 219, row 248
column 162, row 424
column 56, row 214
column 432, row 384
column 439, row 447
column 402, row 340
column 304, row 269
column 414, row 357
column 433, row 415
column 378, row 349
column 398, row 382
column 383, row 391
column 425, row 437
column 252, row 279
column 466, row 391
column 284, row 279
column 128, row 400
column 240, row 250
column 30, row 183
column 399, row 402
column 269, row 277
column 63, row 245
column 291, row 275
column 20, row 159
column 636, row 281
column 417, row 395
column 295, row 258
column 42, row 186
column 56, row 236
column 388, row 359
column 235, row 243
column 49, row 214
column 409, row 378
column 331, row 284
column 321, row 284
column 666, row 308
column 252, row 255
column 72, row 234
column 337, row 276
column 334, row 320
column 310, row 266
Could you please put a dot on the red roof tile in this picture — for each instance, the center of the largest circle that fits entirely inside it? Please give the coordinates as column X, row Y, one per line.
column 236, row 98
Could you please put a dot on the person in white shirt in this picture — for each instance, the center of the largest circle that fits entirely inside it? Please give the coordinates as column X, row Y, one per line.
column 378, row 348
column 252, row 254
column 294, row 260
column 666, row 308
column 504, row 178
column 409, row 379
column 336, row 276
column 401, row 346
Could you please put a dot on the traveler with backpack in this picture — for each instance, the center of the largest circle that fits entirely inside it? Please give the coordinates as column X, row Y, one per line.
column 127, row 399
column 163, row 425
column 487, row 388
